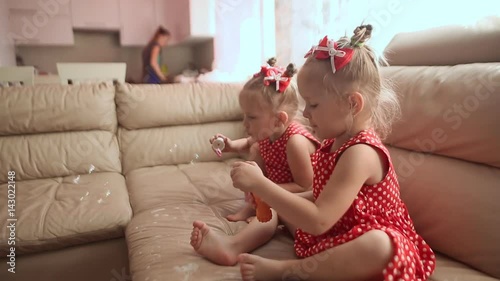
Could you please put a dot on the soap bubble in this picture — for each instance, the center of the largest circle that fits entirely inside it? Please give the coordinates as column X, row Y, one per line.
column 195, row 159
column 84, row 196
column 174, row 148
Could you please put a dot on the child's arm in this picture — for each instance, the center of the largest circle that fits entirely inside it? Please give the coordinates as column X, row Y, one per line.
column 298, row 153
column 307, row 195
column 243, row 145
column 358, row 164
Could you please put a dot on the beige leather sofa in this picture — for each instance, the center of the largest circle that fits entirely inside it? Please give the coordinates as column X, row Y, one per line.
column 109, row 179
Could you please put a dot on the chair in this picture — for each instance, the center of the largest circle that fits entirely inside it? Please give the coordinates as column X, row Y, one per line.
column 17, row 75
column 76, row 73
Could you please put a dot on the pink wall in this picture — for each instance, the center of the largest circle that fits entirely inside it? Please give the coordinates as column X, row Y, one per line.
column 7, row 53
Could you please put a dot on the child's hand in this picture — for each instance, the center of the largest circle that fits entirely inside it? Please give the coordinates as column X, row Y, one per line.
column 228, row 145
column 246, row 175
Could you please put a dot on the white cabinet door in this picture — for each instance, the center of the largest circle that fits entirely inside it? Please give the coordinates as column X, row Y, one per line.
column 49, row 7
column 138, row 22
column 96, row 14
column 187, row 19
column 30, row 27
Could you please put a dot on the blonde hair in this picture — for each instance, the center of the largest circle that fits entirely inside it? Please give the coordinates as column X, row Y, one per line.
column 288, row 101
column 362, row 74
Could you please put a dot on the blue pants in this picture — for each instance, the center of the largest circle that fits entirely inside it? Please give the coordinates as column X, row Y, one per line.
column 151, row 77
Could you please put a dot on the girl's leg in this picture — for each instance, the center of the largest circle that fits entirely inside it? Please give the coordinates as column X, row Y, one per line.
column 290, row 227
column 248, row 211
column 243, row 214
column 223, row 249
column 363, row 258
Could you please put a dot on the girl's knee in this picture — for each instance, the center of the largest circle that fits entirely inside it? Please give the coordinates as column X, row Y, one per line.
column 379, row 245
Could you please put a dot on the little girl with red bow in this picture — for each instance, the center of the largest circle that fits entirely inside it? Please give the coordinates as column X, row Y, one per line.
column 279, row 143
column 355, row 225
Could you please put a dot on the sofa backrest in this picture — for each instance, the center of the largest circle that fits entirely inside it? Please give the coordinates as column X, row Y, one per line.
column 447, row 45
column 446, row 147
column 51, row 131
column 172, row 124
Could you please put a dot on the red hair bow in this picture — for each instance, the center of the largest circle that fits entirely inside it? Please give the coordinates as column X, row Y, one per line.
column 328, row 49
column 275, row 74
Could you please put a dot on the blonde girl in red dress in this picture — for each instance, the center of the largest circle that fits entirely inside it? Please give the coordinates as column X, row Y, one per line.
column 355, row 225
column 277, row 141
column 283, row 147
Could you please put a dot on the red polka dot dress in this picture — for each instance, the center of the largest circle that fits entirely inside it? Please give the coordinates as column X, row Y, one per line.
column 377, row 207
column 274, row 153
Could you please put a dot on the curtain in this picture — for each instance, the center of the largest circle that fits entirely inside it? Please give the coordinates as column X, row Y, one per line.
column 301, row 24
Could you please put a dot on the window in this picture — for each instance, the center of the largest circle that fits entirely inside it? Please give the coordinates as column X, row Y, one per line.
column 300, row 24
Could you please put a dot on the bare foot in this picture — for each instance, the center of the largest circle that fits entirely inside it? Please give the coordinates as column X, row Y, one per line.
column 250, row 219
column 212, row 246
column 243, row 214
column 256, row 268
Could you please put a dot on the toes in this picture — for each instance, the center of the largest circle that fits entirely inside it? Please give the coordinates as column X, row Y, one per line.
column 247, row 272
column 196, row 237
column 204, row 229
column 247, row 258
column 198, row 224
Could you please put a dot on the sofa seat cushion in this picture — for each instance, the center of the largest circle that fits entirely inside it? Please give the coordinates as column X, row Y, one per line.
column 166, row 200
column 448, row 269
column 59, row 212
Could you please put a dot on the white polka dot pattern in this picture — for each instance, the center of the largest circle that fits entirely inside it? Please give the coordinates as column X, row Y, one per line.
column 377, row 207
column 274, row 154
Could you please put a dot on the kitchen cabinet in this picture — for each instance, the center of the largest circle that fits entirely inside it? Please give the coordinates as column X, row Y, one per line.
column 95, row 14
column 32, row 27
column 138, row 22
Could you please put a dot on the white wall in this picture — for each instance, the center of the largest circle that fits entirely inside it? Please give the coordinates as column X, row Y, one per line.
column 7, row 52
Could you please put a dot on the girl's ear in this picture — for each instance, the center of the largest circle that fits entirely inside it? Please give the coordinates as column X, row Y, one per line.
column 282, row 117
column 356, row 103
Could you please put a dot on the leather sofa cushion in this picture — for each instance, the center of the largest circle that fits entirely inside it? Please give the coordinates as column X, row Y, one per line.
column 166, row 200
column 454, row 205
column 49, row 131
column 447, row 45
column 173, row 145
column 61, row 154
column 448, row 269
column 59, row 212
column 449, row 110
column 148, row 106
column 57, row 108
